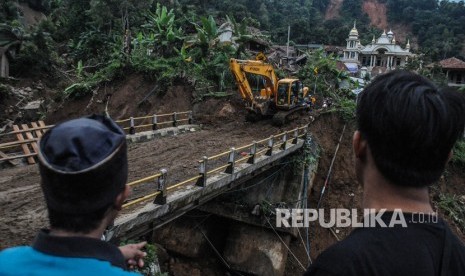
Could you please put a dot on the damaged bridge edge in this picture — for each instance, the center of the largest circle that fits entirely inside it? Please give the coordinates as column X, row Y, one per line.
column 152, row 216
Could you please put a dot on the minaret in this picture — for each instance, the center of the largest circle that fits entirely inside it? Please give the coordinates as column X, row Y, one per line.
column 408, row 45
column 351, row 51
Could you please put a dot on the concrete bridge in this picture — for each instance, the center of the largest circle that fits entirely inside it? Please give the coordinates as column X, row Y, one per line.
column 172, row 202
column 290, row 158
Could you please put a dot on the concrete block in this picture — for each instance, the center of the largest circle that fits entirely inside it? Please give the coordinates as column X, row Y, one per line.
column 153, row 134
column 182, row 238
column 255, row 250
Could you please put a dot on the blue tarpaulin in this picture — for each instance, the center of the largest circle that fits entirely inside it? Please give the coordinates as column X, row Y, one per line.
column 352, row 67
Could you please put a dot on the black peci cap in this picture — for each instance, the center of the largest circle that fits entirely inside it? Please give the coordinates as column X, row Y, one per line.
column 83, row 164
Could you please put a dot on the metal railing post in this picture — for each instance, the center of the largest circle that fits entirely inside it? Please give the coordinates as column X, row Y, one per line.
column 269, row 152
column 132, row 129
column 296, row 136
column 175, row 119
column 253, row 153
column 161, row 198
column 284, row 144
column 191, row 118
column 231, row 161
column 154, row 122
column 202, row 181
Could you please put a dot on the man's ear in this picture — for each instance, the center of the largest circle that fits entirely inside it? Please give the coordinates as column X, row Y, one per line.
column 359, row 145
column 121, row 197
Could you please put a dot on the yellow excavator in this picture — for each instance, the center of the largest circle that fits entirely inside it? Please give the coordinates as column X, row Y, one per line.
column 277, row 98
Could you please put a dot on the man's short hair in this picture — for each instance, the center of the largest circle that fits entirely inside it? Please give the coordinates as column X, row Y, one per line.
column 83, row 167
column 410, row 126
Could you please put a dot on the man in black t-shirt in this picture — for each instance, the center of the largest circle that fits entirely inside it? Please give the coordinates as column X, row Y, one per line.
column 406, row 130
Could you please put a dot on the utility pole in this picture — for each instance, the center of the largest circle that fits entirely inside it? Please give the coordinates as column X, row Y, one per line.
column 288, row 37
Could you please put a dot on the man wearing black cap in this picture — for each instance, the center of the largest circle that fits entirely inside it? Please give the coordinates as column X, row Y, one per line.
column 406, row 130
column 83, row 167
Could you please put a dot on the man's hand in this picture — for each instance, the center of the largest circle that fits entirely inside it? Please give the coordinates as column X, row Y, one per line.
column 133, row 254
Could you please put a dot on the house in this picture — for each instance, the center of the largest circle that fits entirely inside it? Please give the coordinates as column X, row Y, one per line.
column 454, row 69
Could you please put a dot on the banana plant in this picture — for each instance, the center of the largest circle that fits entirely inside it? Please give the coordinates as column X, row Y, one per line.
column 161, row 30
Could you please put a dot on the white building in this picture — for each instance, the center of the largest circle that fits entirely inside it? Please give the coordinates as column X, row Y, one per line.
column 383, row 54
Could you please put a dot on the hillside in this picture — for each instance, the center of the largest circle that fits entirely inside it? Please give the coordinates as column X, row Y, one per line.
column 377, row 13
column 137, row 58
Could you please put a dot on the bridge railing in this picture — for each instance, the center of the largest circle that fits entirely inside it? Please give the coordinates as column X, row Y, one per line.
column 155, row 121
column 225, row 162
column 22, row 141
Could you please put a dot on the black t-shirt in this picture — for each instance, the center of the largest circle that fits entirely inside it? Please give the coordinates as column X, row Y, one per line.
column 413, row 250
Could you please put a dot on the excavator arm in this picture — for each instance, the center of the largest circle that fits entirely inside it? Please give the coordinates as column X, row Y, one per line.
column 239, row 68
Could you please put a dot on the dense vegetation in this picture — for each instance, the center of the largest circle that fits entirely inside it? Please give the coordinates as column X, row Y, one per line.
column 437, row 24
column 91, row 42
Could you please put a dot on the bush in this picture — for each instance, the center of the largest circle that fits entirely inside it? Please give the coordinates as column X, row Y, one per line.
column 4, row 91
column 149, row 260
column 459, row 153
column 454, row 207
column 346, row 107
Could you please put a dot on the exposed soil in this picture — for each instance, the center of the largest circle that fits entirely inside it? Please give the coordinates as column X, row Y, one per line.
column 22, row 211
column 377, row 13
column 223, row 126
column 333, row 9
column 403, row 33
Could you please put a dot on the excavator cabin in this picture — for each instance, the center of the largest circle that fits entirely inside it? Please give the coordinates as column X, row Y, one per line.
column 277, row 98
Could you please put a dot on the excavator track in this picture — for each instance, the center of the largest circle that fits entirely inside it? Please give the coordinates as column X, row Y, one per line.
column 282, row 117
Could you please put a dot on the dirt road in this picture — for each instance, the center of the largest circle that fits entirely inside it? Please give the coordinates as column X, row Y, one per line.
column 22, row 211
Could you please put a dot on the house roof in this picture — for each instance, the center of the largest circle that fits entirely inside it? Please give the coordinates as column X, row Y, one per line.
column 452, row 63
column 333, row 48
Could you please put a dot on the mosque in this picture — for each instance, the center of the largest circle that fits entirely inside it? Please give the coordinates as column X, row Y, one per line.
column 382, row 55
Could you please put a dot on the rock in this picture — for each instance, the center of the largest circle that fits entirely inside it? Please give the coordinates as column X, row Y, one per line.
column 32, row 109
column 39, row 86
column 28, row 89
column 162, row 254
column 172, row 261
column 173, row 238
column 184, row 269
column 227, row 110
column 256, row 250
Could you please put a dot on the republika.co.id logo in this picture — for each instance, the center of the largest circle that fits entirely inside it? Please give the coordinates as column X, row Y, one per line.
column 341, row 217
